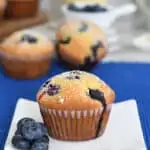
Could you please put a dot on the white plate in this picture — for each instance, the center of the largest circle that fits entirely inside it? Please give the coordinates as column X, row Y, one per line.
column 123, row 131
column 143, row 42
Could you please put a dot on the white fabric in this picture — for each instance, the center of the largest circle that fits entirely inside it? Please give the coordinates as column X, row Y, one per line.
column 123, row 132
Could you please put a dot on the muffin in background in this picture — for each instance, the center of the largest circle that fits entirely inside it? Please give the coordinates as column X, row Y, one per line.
column 81, row 44
column 22, row 8
column 2, row 8
column 26, row 54
column 75, row 105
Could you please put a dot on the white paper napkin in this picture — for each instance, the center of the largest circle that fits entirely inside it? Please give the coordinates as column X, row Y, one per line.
column 123, row 131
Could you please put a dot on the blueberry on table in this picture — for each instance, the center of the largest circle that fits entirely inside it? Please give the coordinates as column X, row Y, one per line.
column 44, row 139
column 20, row 143
column 22, row 122
column 43, row 128
column 39, row 146
column 32, row 131
column 18, row 132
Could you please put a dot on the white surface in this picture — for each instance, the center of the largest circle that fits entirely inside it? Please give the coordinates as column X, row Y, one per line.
column 143, row 42
column 104, row 20
column 123, row 131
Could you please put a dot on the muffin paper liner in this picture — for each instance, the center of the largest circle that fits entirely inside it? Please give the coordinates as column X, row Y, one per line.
column 75, row 125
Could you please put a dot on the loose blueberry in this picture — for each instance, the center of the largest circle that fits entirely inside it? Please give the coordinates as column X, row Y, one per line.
column 53, row 89
column 20, row 143
column 98, row 95
column 44, row 139
column 83, row 27
column 22, row 122
column 32, row 131
column 43, row 128
column 29, row 38
column 67, row 40
column 18, row 132
column 39, row 146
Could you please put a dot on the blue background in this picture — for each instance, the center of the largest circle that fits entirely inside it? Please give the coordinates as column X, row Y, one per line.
column 128, row 81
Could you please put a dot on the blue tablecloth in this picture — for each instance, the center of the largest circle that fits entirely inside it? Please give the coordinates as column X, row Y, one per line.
column 128, row 80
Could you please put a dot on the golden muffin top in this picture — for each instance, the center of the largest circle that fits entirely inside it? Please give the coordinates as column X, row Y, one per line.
column 81, row 39
column 75, row 90
column 27, row 44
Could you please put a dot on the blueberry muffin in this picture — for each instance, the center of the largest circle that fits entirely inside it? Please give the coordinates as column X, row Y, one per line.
column 2, row 8
column 26, row 54
column 22, row 8
column 80, row 44
column 75, row 105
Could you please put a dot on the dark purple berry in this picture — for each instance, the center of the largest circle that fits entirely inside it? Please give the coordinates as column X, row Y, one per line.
column 98, row 95
column 39, row 146
column 44, row 139
column 67, row 40
column 23, row 122
column 32, row 131
column 29, row 39
column 83, row 27
column 53, row 89
column 20, row 143
column 43, row 128
column 18, row 132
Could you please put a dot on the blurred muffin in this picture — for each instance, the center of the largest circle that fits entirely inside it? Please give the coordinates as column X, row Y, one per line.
column 75, row 105
column 22, row 8
column 2, row 8
column 81, row 44
column 26, row 54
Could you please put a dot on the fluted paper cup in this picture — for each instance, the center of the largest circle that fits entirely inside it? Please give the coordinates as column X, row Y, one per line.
column 75, row 125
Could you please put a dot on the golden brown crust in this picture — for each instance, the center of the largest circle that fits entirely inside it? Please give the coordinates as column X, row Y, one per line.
column 13, row 46
column 73, row 94
column 26, row 59
column 26, row 69
column 79, row 47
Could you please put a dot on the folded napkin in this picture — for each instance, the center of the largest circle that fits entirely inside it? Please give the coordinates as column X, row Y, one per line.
column 123, row 131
